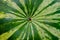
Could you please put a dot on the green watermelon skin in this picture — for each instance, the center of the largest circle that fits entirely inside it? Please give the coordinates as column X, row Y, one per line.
column 29, row 19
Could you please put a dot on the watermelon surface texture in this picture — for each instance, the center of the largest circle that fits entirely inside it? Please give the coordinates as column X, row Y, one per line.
column 29, row 19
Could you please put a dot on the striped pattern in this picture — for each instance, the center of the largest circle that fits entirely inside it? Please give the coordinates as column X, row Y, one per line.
column 29, row 20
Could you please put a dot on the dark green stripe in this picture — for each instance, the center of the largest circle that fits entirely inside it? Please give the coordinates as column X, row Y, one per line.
column 9, row 20
column 8, row 26
column 51, row 35
column 57, row 12
column 56, row 25
column 16, row 11
column 5, row 8
column 31, row 6
column 20, row 5
column 27, row 4
column 17, row 33
column 16, row 14
column 36, row 35
column 26, row 32
column 53, row 2
column 30, row 36
column 36, row 5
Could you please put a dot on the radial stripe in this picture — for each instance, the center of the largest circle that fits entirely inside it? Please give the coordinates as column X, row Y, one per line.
column 49, row 32
column 15, row 6
column 22, row 2
column 51, row 9
column 57, row 16
column 52, row 3
column 16, row 34
column 22, row 33
column 7, row 26
column 48, row 20
column 32, row 5
column 43, row 4
column 56, row 12
column 36, row 5
column 11, row 32
column 36, row 35
column 24, row 36
column 16, row 14
column 20, row 5
column 28, row 35
column 32, row 31
column 14, row 9
column 42, row 33
column 51, row 29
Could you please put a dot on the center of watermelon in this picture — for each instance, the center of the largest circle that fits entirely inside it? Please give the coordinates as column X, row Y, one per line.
column 29, row 19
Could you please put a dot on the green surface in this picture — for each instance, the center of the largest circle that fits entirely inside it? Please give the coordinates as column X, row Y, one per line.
column 29, row 20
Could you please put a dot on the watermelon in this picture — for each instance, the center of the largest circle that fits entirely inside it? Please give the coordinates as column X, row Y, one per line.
column 29, row 19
